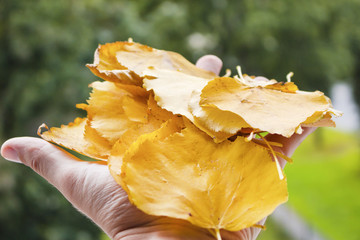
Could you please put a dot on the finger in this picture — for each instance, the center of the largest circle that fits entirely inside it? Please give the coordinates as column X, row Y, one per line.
column 211, row 63
column 89, row 187
column 290, row 144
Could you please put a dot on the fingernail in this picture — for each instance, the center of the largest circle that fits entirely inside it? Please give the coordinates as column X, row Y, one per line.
column 10, row 154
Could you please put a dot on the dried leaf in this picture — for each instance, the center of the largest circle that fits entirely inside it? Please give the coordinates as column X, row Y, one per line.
column 184, row 174
column 173, row 90
column 261, row 108
column 107, row 67
column 119, row 149
column 112, row 109
column 288, row 87
column 125, row 62
column 80, row 137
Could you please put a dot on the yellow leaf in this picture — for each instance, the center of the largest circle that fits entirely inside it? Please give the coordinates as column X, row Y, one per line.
column 184, row 174
column 174, row 90
column 80, row 137
column 220, row 125
column 157, row 116
column 156, row 111
column 113, row 109
column 107, row 67
column 271, row 110
column 319, row 121
column 125, row 62
column 115, row 160
column 205, row 124
column 289, row 87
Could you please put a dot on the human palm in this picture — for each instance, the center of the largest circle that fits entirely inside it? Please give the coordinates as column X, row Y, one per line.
column 92, row 190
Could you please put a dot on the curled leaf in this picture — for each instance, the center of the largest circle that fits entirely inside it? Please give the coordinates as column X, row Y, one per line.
column 126, row 62
column 174, row 90
column 184, row 174
column 267, row 109
column 113, row 109
column 80, row 137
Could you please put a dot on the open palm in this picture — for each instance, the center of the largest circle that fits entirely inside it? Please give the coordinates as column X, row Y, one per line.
column 93, row 191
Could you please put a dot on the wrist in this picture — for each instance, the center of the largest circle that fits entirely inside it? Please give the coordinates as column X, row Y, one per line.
column 165, row 229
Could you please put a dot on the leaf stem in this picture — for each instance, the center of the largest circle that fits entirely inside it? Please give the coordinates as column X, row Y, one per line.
column 218, row 236
column 288, row 77
column 281, row 175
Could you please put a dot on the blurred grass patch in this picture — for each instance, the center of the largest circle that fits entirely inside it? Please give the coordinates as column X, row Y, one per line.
column 324, row 183
column 104, row 237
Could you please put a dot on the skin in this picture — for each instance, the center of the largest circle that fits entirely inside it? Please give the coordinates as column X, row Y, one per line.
column 92, row 190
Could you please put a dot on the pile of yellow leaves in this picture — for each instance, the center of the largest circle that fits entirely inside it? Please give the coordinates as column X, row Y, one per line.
column 183, row 142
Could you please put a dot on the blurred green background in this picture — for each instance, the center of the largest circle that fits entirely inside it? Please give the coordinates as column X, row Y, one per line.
column 44, row 46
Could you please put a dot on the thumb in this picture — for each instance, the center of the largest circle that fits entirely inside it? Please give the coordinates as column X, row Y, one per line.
column 210, row 63
column 290, row 144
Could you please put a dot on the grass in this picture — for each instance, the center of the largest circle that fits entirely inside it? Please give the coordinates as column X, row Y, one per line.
column 324, row 183
column 273, row 231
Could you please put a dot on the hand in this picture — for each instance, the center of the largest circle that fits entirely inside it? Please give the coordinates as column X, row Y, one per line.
column 92, row 190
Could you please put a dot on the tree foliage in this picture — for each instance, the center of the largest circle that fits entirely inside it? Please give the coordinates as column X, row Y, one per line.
column 45, row 45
